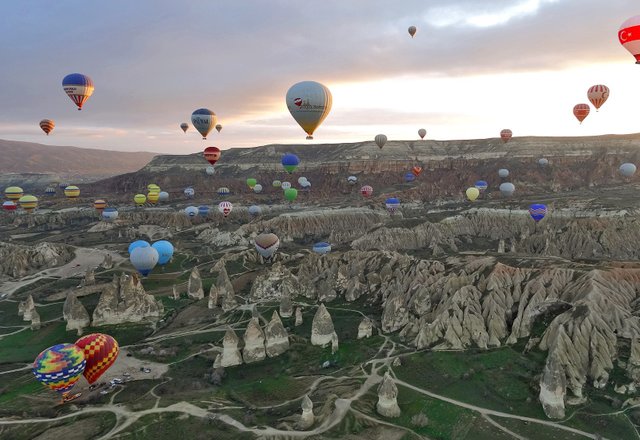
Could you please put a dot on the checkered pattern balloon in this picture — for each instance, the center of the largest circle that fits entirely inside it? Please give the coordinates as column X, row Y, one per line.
column 59, row 367
column 100, row 352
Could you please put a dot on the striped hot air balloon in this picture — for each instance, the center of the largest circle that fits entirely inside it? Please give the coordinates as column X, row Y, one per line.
column 212, row 154
column 225, row 208
column 47, row 125
column 140, row 199
column 28, row 203
column 223, row 191
column 416, row 171
column 581, row 111
column 78, row 87
column 598, row 95
column 366, row 190
column 9, row 205
column 392, row 204
column 99, row 205
column 267, row 245
column 153, row 197
column 59, row 367
column 72, row 192
column 629, row 36
column 537, row 211
column 380, row 140
column 13, row 193
column 50, row 191
column 290, row 162
column 100, row 352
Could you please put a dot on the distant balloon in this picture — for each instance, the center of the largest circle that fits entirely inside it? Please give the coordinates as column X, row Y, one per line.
column 306, row 184
column 153, row 197
column 78, row 87
column 72, row 192
column 629, row 36
column 285, row 185
column 163, row 196
column 507, row 189
column 136, row 244
column 276, row 184
column 352, row 180
column 392, row 204
column 191, row 211
column 212, row 154
column 255, row 210
column 581, row 111
column 152, row 187
column 290, row 162
column 203, row 120
column 100, row 352
column 302, row 180
column 409, row 177
column 50, row 191
column 503, row 173
column 60, row 367
column 380, row 140
column 210, row 170
column 416, row 171
column 219, row 127
column 140, row 199
column 412, row 31
column 165, row 251
column 189, row 192
column 144, row 259
column 627, row 169
column 99, row 205
column 481, row 185
column 109, row 214
column 537, row 211
column 28, row 203
column 322, row 248
column 309, row 103
column 257, row 189
column 9, row 205
column 225, row 208
column 251, row 182
column 291, row 194
column 366, row 191
column 472, row 193
column 223, row 191
column 506, row 135
column 422, row 133
column 13, row 192
column 543, row 162
column 184, row 126
column 598, row 95
column 47, row 125
column 267, row 245
column 203, row 210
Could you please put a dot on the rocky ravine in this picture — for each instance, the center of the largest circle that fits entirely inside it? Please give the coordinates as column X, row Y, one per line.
column 18, row 261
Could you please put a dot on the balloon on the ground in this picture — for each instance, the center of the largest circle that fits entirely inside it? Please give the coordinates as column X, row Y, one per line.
column 309, row 103
column 255, row 210
column 627, row 169
column 210, row 170
column 13, row 192
column 203, row 120
column 481, row 185
column 163, row 196
column 392, row 204
column 285, row 185
column 140, row 199
column 223, row 191
column 412, row 31
column 581, row 111
column 225, row 208
column 629, row 36
column 100, row 352
column 184, row 126
column 110, row 214
column 352, row 180
column 380, row 140
column 165, row 251
column 78, row 87
column 9, row 205
column 409, row 177
column 290, row 162
column 506, row 135
column 276, row 184
column 537, row 211
column 503, row 173
column 218, row 128
column 290, row 194
column 189, row 192
column 136, row 244
column 191, row 211
column 99, row 205
column 472, row 193
column 28, row 202
column 47, row 125
column 257, row 188
column 598, row 95
column 267, row 244
column 144, row 259
column 212, row 154
column 322, row 248
column 72, row 192
column 366, row 190
column 422, row 133
column 251, row 182
column 507, row 189
column 59, row 367
column 203, row 210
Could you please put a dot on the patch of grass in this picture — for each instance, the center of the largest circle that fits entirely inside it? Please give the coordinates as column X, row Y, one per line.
column 26, row 345
column 125, row 334
column 170, row 426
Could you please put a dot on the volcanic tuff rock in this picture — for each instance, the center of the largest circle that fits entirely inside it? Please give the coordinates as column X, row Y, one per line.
column 214, row 297
column 226, row 293
column 273, row 283
column 75, row 314
column 89, row 277
column 306, row 418
column 286, row 306
column 277, row 338
column 230, row 353
column 553, row 386
column 18, row 261
column 387, row 405
column 107, row 263
column 298, row 317
column 125, row 300
column 194, row 289
column 365, row 329
column 253, row 342
column 35, row 320
column 217, row 238
column 322, row 330
column 26, row 308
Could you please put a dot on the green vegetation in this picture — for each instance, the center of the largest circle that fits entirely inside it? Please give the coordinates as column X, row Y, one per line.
column 172, row 426
column 26, row 345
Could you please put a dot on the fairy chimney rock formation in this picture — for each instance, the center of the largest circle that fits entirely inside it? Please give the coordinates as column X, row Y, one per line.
column 230, row 352
column 35, row 320
column 107, row 263
column 75, row 314
column 253, row 342
column 26, row 308
column 175, row 293
column 334, row 343
column 298, row 317
column 365, row 329
column 276, row 336
column 387, row 405
column 89, row 277
column 213, row 297
column 194, row 289
column 322, row 330
column 307, row 418
column 226, row 294
column 286, row 306
column 553, row 386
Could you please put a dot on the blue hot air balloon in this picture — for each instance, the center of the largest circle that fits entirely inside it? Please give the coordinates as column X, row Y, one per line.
column 165, row 251
column 290, row 162
column 537, row 211
column 392, row 204
column 255, row 210
column 136, row 244
column 481, row 185
column 409, row 177
column 322, row 248
column 191, row 211
column 223, row 191
column 203, row 210
column 144, row 259
column 78, row 87
column 110, row 214
column 50, row 191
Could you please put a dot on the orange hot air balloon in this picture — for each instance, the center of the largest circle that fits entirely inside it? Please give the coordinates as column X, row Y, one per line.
column 47, row 125
column 505, row 135
column 416, row 171
column 212, row 154
column 581, row 111
column 100, row 352
column 99, row 205
column 598, row 95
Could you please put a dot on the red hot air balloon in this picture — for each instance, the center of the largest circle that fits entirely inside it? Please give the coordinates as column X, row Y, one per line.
column 366, row 191
column 100, row 352
column 47, row 125
column 212, row 154
column 629, row 36
column 505, row 135
column 581, row 111
column 598, row 95
column 416, row 171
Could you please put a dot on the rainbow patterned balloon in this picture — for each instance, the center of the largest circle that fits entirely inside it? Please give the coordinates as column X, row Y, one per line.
column 60, row 367
column 100, row 351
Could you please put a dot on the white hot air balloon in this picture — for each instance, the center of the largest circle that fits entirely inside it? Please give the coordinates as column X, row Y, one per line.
column 191, row 211
column 210, row 170
column 627, row 169
column 380, row 140
column 285, row 185
column 507, row 189
column 543, row 162
column 503, row 173
column 309, row 103
column 257, row 189
column 144, row 259
column 301, row 180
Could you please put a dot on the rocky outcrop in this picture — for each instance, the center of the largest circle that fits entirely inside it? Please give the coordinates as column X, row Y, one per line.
column 107, row 263
column 307, row 417
column 35, row 320
column 254, row 350
column 334, row 343
column 286, row 306
column 18, row 261
column 230, row 352
column 175, row 294
column 26, row 308
column 298, row 317
column 553, row 386
column 75, row 314
column 194, row 287
column 276, row 282
column 322, row 330
column 89, row 277
column 387, row 405
column 277, row 338
column 125, row 300
column 214, row 297
column 365, row 328
column 226, row 293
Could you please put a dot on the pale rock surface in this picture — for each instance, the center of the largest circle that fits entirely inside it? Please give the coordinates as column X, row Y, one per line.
column 26, row 308
column 277, row 338
column 194, row 287
column 553, row 385
column 35, row 320
column 322, row 329
column 365, row 328
column 214, row 297
column 107, row 263
column 334, row 343
column 174, row 293
column 307, row 418
column 18, row 261
column 387, row 405
column 298, row 317
column 75, row 314
column 230, row 352
column 286, row 305
column 90, row 277
column 253, row 342
column 226, row 293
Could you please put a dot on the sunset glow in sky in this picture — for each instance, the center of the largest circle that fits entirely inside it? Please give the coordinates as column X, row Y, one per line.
column 473, row 68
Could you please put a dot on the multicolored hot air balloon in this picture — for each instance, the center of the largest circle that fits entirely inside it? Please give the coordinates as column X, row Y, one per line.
column 581, row 111
column 28, row 203
column 110, row 214
column 290, row 194
column 412, row 31
column 392, row 204
column 13, row 193
column 322, row 248
column 144, row 259
column 598, row 95
column 140, row 199
column 506, row 135
column 285, row 185
column 99, row 205
column 290, row 162
column 212, row 154
column 225, row 208
column 309, row 103
column 153, row 197
column 184, row 126
column 537, row 211
column 629, row 36
column 380, row 140
column 276, row 184
column 47, row 125
column 218, row 128
column 9, row 205
column 267, row 245
column 366, row 190
column 100, row 352
column 203, row 120
column 422, row 133
column 72, row 192
column 78, row 87
column 165, row 251
column 627, row 169
column 60, row 367
column 472, row 193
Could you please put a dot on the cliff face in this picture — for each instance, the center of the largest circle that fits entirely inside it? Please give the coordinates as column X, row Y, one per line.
column 17, row 260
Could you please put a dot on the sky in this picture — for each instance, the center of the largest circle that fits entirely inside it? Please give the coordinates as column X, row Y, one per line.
column 473, row 68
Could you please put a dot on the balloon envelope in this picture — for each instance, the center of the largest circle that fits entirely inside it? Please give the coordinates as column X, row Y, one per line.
column 322, row 248
column 100, row 352
column 28, row 202
column 472, row 193
column 267, row 244
column 9, row 205
column 537, row 211
column 543, row 162
column 99, row 205
column 352, row 180
column 506, row 135
column 225, row 208
column 163, row 196
column 627, row 169
column 291, row 194
column 285, row 185
column 59, row 367
column 598, row 95
column 47, row 125
column 13, row 192
column 251, row 182
column 255, row 210
column 72, row 192
column 412, row 31
column 189, row 192
column 380, row 140
column 165, row 251
column 309, row 103
column 503, row 173
column 276, row 184
column 366, row 190
column 184, row 126
column 392, row 204
column 581, row 111
column 191, row 211
column 218, row 127
column 481, row 185
column 257, row 189
column 203, row 210
column 110, row 214
column 507, row 189
column 223, row 191
column 409, row 177
column 140, row 199
column 203, row 120
column 290, row 162
column 210, row 170
column 144, row 259
column 422, row 133
column 212, row 154
column 78, row 87
column 136, row 244
column 629, row 36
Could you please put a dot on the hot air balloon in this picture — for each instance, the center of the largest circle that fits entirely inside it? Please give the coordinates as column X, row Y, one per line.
column 218, row 128
column 537, row 211
column 203, row 120
column 366, row 191
column 507, row 189
column 392, row 204
column 210, row 170
column 223, row 191
column 153, row 197
column 506, row 135
column 352, row 180
column 267, row 245
column 152, row 187
column 13, row 193
column 165, row 251
column 543, row 162
column 306, row 184
column 251, row 182
column 184, row 126
column 78, row 87
column 416, row 171
column 110, row 214
column 412, row 31
column 191, row 211
column 136, row 244
column 257, row 189
column 144, row 259
column 60, row 367
column 322, row 248
column 255, row 210
column 581, row 111
column 503, row 173
column 422, row 133
column 481, row 185
column 50, row 191
column 99, row 205
column 276, row 184
column 285, row 185
column 380, row 140
column 472, row 193
column 212, row 154
column 309, row 103
column 629, row 36
column 100, row 352
column 290, row 162
column 72, row 192
column 140, row 199
column 225, row 208
column 409, row 177
column 598, row 95
column 203, row 210
column 627, row 169
column 163, row 196
column 28, row 203
column 189, row 192
column 9, row 205
column 291, row 194
column 47, row 125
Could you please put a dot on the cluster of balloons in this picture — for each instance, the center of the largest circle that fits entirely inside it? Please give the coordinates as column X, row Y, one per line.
column 144, row 256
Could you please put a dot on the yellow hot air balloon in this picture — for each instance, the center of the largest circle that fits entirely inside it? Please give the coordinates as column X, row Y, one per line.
column 72, row 192
column 99, row 205
column 152, row 187
column 309, row 103
column 28, row 202
column 473, row 193
column 140, row 199
column 153, row 197
column 13, row 193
